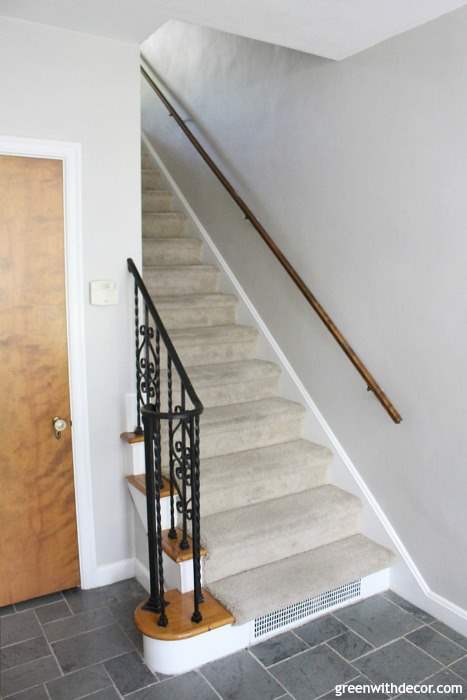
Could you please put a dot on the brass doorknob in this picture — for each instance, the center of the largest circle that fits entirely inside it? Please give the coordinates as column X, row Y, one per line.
column 59, row 425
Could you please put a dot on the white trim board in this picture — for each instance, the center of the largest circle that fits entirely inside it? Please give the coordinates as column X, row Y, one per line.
column 116, row 571
column 407, row 579
column 70, row 154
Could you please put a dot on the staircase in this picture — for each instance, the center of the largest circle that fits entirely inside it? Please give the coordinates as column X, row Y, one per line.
column 276, row 534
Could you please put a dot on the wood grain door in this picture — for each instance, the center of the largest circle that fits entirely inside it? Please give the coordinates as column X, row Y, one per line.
column 38, row 538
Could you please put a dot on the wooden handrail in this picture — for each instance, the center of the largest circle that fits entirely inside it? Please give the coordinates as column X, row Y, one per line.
column 370, row 381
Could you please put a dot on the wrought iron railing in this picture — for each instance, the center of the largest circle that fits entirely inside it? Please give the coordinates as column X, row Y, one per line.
column 168, row 411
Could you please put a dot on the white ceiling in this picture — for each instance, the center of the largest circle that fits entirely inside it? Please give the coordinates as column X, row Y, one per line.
column 330, row 28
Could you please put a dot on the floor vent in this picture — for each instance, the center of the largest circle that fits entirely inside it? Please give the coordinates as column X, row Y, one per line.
column 306, row 608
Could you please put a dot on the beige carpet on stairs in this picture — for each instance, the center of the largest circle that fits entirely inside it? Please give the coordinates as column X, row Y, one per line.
column 276, row 531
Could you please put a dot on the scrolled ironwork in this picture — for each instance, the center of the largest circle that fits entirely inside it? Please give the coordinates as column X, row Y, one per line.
column 169, row 412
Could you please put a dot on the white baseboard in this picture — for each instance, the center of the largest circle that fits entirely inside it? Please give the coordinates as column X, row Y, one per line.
column 409, row 586
column 408, row 580
column 111, row 573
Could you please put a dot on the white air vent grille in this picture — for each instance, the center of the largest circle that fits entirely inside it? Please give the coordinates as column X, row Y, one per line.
column 306, row 608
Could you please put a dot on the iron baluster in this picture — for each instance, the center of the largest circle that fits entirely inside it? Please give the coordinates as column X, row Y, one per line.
column 147, row 377
column 198, row 499
column 160, row 564
column 195, row 517
column 138, row 429
column 153, row 415
column 184, row 541
column 157, row 372
column 172, row 531
column 154, row 601
column 157, row 385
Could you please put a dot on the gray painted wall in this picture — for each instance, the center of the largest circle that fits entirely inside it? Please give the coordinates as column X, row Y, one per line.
column 359, row 171
column 67, row 86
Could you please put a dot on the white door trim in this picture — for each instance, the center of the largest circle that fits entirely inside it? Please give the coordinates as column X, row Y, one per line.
column 70, row 154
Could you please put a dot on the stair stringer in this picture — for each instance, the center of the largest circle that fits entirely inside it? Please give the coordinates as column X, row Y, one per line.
column 342, row 471
column 177, row 575
column 180, row 656
column 348, row 586
column 175, row 657
column 406, row 578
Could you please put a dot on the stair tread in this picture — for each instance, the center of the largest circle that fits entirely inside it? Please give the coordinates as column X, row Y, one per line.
column 181, row 278
column 283, row 452
column 173, row 550
column 179, row 612
column 148, row 237
column 177, row 240
column 138, row 481
column 231, row 414
column 177, row 215
column 172, row 250
column 159, row 224
column 151, row 193
column 224, row 383
column 195, row 300
column 268, row 457
column 148, row 188
column 196, row 267
column 234, row 427
column 261, row 474
column 212, row 334
column 294, row 512
column 271, row 587
column 264, row 490
column 231, row 372
column 251, row 536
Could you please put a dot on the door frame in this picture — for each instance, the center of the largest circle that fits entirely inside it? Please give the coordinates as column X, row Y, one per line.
column 70, row 154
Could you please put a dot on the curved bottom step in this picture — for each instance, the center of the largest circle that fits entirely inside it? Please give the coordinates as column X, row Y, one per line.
column 260, row 591
column 179, row 610
column 295, row 592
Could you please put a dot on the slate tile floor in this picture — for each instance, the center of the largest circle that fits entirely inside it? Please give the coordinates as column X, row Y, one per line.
column 83, row 644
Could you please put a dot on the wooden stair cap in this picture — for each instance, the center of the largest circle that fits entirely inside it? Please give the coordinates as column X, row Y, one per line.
column 179, row 612
column 139, row 482
column 171, row 547
column 132, row 438
column 173, row 550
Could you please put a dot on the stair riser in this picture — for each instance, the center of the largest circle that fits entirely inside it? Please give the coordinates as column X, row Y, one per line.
column 192, row 318
column 187, row 654
column 168, row 282
column 172, row 251
column 249, row 435
column 154, row 201
column 226, row 495
column 237, row 393
column 152, row 181
column 246, row 555
column 155, row 226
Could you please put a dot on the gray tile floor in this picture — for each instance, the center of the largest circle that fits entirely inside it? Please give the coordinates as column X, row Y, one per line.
column 83, row 644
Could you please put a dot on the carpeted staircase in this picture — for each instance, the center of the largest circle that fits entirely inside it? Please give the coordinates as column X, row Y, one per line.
column 276, row 532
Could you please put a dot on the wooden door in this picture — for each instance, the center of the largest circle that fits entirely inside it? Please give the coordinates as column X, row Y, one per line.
column 38, row 538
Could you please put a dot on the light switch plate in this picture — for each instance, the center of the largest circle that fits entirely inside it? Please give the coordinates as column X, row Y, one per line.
column 103, row 292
